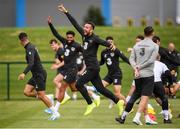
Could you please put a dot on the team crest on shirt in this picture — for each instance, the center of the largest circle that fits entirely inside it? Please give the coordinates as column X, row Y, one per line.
column 112, row 54
column 30, row 53
column 72, row 49
column 90, row 41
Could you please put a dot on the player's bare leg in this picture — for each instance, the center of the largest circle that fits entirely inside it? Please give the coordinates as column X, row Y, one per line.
column 29, row 91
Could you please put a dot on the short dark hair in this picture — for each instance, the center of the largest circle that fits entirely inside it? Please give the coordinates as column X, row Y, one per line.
column 91, row 23
column 148, row 31
column 109, row 38
column 22, row 35
column 140, row 37
column 53, row 40
column 155, row 39
column 70, row 32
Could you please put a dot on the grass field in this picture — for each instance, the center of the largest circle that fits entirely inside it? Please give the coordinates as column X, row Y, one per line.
column 29, row 113
column 21, row 112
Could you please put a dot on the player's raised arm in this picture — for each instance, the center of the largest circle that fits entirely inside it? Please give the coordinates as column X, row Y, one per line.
column 71, row 19
column 54, row 31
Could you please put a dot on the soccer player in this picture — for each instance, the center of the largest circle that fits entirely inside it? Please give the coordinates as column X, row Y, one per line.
column 174, row 68
column 159, row 92
column 36, row 85
column 142, row 60
column 168, row 59
column 71, row 53
column 58, row 65
column 81, row 68
column 91, row 43
column 137, row 40
column 114, row 75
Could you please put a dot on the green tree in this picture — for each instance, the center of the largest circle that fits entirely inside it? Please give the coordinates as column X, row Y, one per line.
column 94, row 15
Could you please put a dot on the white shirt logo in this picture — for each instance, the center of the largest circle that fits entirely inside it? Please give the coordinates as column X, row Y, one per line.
column 72, row 49
column 112, row 54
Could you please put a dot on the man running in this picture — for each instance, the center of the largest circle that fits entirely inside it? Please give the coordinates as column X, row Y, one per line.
column 37, row 84
column 59, row 66
column 114, row 75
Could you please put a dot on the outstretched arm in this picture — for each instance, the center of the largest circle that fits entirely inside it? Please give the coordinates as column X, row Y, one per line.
column 123, row 57
column 71, row 19
column 54, row 31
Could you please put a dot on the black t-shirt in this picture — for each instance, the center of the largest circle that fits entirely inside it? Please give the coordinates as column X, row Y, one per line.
column 170, row 59
column 90, row 45
column 111, row 58
column 60, row 56
column 176, row 56
column 33, row 60
column 71, row 50
column 71, row 54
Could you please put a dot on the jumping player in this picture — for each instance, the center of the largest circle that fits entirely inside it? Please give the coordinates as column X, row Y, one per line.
column 91, row 43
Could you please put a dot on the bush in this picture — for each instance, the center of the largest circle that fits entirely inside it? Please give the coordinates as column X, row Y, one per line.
column 156, row 22
column 143, row 21
column 94, row 14
column 130, row 21
column 169, row 22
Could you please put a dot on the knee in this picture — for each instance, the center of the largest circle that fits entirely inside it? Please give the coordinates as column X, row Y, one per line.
column 26, row 93
column 117, row 94
column 55, row 81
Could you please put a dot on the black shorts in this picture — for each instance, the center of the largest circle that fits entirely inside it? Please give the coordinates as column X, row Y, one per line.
column 144, row 86
column 164, row 80
column 38, row 80
column 70, row 75
column 115, row 79
column 158, row 91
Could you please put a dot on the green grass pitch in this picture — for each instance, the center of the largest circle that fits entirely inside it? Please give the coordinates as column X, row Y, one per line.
column 23, row 112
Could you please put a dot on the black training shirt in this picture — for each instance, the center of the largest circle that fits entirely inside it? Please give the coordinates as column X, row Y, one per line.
column 111, row 58
column 90, row 45
column 33, row 60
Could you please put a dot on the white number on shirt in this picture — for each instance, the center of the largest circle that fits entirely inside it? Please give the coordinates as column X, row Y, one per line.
column 85, row 45
column 109, row 62
column 67, row 52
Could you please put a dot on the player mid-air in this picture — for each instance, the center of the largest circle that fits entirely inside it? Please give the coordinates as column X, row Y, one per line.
column 91, row 44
